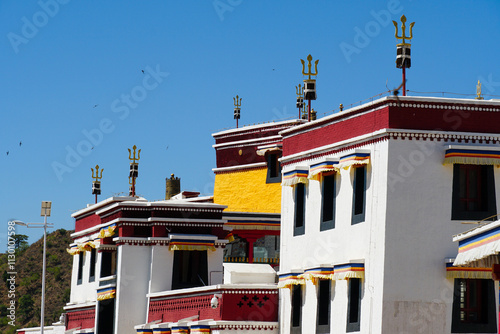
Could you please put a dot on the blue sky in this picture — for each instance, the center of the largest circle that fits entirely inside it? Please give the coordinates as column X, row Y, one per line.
column 72, row 79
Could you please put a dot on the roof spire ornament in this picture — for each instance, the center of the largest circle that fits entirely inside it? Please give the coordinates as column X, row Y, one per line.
column 237, row 110
column 96, row 184
column 299, row 90
column 479, row 95
column 309, row 84
column 134, row 169
column 403, row 59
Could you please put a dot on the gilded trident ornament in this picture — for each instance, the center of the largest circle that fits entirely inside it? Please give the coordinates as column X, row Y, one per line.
column 299, row 90
column 96, row 177
column 403, row 28
column 134, row 158
column 309, row 59
column 237, row 103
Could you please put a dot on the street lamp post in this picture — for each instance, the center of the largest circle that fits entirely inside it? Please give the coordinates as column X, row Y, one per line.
column 46, row 206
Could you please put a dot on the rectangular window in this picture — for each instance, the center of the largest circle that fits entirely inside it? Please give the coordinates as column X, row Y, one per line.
column 296, row 305
column 328, row 202
column 474, row 306
column 273, row 168
column 323, row 315
column 300, row 201
column 190, row 269
column 473, row 195
column 108, row 263
column 80, row 267
column 354, row 305
column 92, row 265
column 359, row 195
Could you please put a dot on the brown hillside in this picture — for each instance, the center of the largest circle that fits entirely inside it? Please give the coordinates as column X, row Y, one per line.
column 29, row 282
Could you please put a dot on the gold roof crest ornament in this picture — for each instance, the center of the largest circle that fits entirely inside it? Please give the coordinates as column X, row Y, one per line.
column 403, row 59
column 309, row 84
column 479, row 95
column 299, row 90
column 237, row 110
column 96, row 184
column 134, row 169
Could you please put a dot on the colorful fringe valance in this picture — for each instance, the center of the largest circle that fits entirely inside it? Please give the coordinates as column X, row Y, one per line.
column 191, row 245
column 287, row 280
column 144, row 330
column 328, row 165
column 316, row 274
column 354, row 159
column 107, row 293
column 295, row 176
column 180, row 330
column 73, row 250
column 162, row 331
column 200, row 329
column 472, row 156
column 467, row 272
column 107, row 232
column 349, row 270
column 479, row 249
column 262, row 225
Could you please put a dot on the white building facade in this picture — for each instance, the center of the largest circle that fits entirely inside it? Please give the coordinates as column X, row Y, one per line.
column 370, row 198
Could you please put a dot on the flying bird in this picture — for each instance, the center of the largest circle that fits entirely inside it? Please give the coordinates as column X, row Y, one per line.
column 20, row 143
column 95, row 105
column 7, row 152
column 142, row 71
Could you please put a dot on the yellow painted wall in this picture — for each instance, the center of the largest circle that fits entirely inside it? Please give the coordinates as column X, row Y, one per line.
column 247, row 191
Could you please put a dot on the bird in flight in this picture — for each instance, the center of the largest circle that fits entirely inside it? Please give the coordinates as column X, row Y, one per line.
column 20, row 143
column 142, row 71
column 7, row 152
column 95, row 105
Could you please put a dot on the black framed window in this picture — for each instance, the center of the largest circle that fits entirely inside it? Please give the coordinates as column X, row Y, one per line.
column 473, row 196
column 327, row 202
column 323, row 314
column 300, row 202
column 190, row 269
column 92, row 265
column 354, row 305
column 108, row 263
column 296, row 305
column 474, row 306
column 81, row 258
column 273, row 168
column 359, row 195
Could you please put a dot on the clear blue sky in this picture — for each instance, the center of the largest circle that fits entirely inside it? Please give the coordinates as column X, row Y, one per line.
column 73, row 69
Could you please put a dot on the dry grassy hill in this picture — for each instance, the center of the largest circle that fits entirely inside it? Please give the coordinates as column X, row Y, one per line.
column 29, row 282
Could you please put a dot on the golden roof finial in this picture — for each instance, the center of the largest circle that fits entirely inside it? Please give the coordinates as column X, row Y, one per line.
column 237, row 103
column 134, row 158
column 299, row 90
column 479, row 95
column 309, row 73
column 403, row 28
column 96, row 177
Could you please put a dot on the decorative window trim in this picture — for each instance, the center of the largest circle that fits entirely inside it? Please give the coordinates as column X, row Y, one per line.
column 349, row 270
column 297, row 175
column 358, row 158
column 472, row 155
column 325, row 165
column 192, row 242
column 286, row 281
column 453, row 272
